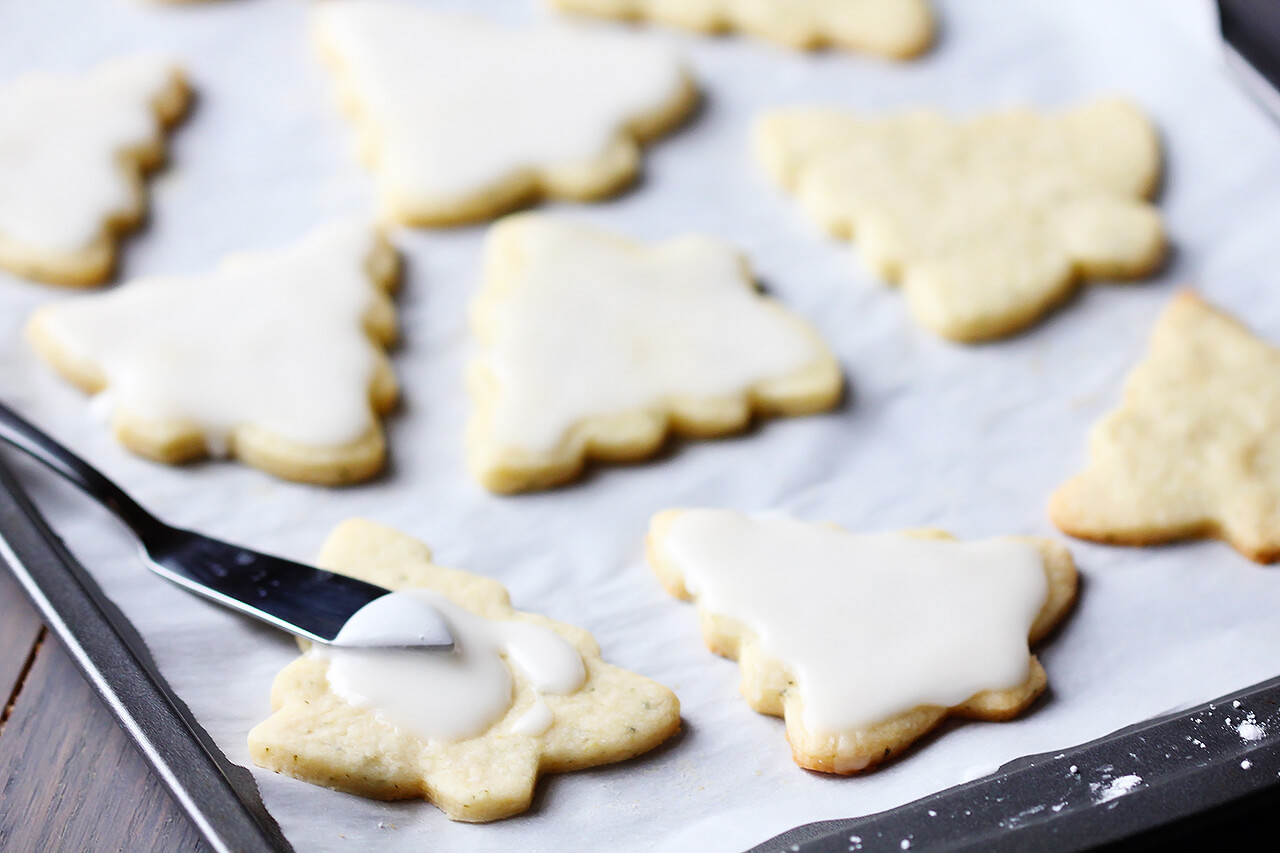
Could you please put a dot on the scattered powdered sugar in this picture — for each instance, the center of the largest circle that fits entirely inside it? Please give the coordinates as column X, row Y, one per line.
column 906, row 844
column 1250, row 729
column 1114, row 789
column 1246, row 764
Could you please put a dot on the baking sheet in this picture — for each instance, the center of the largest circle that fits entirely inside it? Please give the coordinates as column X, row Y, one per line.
column 972, row 439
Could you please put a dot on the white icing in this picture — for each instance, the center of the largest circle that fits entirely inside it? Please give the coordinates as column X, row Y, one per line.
column 459, row 694
column 592, row 324
column 536, row 721
column 456, row 106
column 61, row 137
column 394, row 620
column 271, row 339
column 870, row 625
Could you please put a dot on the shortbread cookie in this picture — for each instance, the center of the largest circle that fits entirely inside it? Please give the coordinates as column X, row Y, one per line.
column 1194, row 448
column 274, row 358
column 469, row 730
column 73, row 150
column 986, row 224
column 595, row 347
column 899, row 29
column 461, row 120
column 864, row 643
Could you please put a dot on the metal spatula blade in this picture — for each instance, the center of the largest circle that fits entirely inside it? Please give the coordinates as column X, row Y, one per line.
column 305, row 601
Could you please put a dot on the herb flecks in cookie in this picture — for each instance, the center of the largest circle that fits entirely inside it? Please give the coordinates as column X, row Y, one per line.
column 898, row 29
column 986, row 224
column 593, row 346
column 275, row 358
column 73, row 151
column 461, row 120
column 317, row 736
column 865, row 642
column 1194, row 448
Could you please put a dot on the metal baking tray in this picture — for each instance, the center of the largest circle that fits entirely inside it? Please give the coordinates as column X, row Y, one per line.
column 1196, row 775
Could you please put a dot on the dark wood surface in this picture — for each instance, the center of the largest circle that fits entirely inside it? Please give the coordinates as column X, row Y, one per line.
column 70, row 779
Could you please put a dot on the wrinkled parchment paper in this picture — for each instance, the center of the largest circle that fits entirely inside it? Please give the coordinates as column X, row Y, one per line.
column 972, row 439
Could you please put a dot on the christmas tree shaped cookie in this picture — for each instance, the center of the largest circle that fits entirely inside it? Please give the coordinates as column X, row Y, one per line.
column 274, row 358
column 864, row 643
column 986, row 224
column 73, row 150
column 595, row 347
column 1194, row 448
column 461, row 120
column 898, row 29
column 470, row 730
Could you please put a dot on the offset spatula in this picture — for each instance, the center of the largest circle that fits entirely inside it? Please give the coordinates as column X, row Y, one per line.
column 303, row 600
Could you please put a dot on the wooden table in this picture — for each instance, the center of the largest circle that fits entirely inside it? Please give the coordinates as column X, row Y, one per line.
column 70, row 779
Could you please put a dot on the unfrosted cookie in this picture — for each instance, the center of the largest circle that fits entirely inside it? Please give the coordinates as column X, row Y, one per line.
column 461, row 120
column 73, row 150
column 1194, row 448
column 987, row 223
column 446, row 726
column 864, row 643
column 898, row 29
column 593, row 346
column 276, row 357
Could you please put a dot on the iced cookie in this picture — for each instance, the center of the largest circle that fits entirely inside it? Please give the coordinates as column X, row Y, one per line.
column 276, row 357
column 865, row 642
column 1194, row 448
column 592, row 346
column 899, row 29
column 461, row 120
column 73, row 151
column 988, row 223
column 469, row 730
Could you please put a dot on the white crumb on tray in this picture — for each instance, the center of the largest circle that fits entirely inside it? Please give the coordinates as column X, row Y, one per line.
column 1114, row 789
column 1250, row 729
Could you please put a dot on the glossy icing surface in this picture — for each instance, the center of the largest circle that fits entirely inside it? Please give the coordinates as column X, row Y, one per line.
column 587, row 323
column 61, row 140
column 870, row 625
column 458, row 694
column 274, row 339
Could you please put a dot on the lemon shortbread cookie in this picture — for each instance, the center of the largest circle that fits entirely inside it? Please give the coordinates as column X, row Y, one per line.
column 899, row 29
column 461, row 120
column 1194, row 448
column 471, row 729
column 274, row 358
column 988, row 223
column 864, row 643
column 73, row 150
column 593, row 346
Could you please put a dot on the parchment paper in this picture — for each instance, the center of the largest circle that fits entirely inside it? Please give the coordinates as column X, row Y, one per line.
column 972, row 439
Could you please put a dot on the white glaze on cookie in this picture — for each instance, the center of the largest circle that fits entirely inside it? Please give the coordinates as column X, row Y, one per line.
column 454, row 108
column 272, row 339
column 61, row 141
column 458, row 694
column 873, row 625
column 593, row 324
